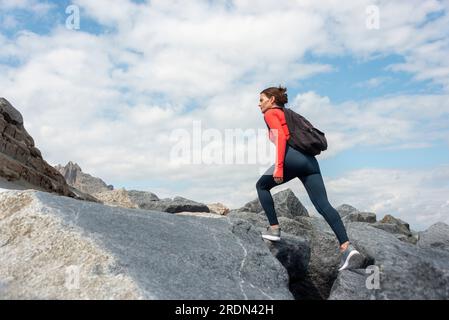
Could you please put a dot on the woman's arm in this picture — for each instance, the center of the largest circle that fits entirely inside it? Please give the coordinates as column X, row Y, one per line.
column 277, row 135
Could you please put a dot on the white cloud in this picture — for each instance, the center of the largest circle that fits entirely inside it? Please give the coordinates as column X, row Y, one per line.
column 402, row 121
column 416, row 196
column 34, row 6
column 428, row 62
column 373, row 82
column 110, row 12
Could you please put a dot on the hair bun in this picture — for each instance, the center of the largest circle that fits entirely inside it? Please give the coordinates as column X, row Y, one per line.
column 282, row 89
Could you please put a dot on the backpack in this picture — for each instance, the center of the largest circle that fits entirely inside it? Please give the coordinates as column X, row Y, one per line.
column 303, row 135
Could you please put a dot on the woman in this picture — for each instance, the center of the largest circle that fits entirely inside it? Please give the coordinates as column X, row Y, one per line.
column 291, row 163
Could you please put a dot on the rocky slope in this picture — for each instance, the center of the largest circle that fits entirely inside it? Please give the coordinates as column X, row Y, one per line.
column 410, row 265
column 405, row 271
column 20, row 159
column 128, row 253
column 146, row 254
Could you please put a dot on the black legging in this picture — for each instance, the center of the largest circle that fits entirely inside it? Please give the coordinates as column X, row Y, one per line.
column 306, row 168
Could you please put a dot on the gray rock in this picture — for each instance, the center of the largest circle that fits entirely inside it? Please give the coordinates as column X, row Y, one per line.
column 11, row 114
column 254, row 218
column 218, row 208
column 397, row 227
column 358, row 216
column 307, row 242
column 294, row 254
column 141, row 197
column 436, row 236
column 389, row 227
column 405, row 271
column 298, row 226
column 252, row 206
column 350, row 214
column 126, row 199
column 149, row 201
column 309, row 251
column 79, row 195
column 178, row 204
column 345, row 209
column 324, row 258
column 286, row 204
column 390, row 219
column 128, row 253
column 352, row 284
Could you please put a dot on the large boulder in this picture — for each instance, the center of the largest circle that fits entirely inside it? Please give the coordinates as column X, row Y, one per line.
column 83, row 196
column 286, row 204
column 404, row 271
column 294, row 252
column 149, row 201
column 116, row 198
column 20, row 160
column 308, row 250
column 389, row 219
column 177, row 204
column 218, row 208
column 350, row 214
column 47, row 241
column 140, row 198
column 345, row 209
column 323, row 257
column 254, row 218
column 436, row 236
column 368, row 217
column 399, row 228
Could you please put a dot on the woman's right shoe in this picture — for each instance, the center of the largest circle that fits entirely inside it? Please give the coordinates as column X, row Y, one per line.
column 272, row 234
column 350, row 259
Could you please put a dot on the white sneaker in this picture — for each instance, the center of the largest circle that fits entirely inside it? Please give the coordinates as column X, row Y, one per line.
column 350, row 259
column 272, row 234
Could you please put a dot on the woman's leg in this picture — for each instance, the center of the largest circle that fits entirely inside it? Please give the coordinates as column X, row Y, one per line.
column 316, row 190
column 263, row 186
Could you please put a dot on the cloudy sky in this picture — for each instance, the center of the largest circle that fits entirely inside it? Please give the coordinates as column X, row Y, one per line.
column 111, row 92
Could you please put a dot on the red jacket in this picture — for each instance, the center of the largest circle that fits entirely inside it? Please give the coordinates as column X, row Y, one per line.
column 279, row 135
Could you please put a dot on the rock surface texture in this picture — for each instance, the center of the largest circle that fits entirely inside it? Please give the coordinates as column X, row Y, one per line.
column 121, row 253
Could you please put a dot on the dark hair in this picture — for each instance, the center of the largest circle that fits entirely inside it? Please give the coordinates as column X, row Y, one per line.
column 279, row 94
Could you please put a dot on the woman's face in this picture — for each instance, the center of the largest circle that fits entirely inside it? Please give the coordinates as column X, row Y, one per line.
column 265, row 103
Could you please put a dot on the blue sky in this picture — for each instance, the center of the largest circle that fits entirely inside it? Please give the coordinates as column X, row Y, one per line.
column 108, row 95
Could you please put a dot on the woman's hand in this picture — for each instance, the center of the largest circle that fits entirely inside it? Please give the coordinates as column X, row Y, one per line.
column 278, row 179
